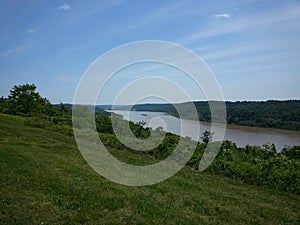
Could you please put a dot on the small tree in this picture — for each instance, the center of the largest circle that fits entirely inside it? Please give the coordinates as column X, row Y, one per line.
column 207, row 136
column 270, row 149
column 4, row 105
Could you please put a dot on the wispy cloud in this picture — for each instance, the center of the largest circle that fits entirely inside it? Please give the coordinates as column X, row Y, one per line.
column 31, row 31
column 222, row 16
column 163, row 13
column 65, row 7
column 11, row 51
column 241, row 50
column 245, row 22
column 261, row 58
column 256, row 69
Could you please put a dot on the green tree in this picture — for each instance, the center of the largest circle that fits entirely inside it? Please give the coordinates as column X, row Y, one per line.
column 4, row 105
column 207, row 136
column 25, row 100
column 292, row 152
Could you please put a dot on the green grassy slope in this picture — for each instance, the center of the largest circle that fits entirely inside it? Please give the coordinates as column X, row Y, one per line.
column 44, row 180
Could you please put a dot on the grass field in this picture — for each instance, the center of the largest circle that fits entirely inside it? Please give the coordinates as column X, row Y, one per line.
column 45, row 180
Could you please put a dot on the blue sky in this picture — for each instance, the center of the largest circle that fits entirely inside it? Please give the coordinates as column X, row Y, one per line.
column 253, row 47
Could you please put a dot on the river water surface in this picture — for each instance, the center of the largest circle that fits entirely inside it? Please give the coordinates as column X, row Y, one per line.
column 240, row 135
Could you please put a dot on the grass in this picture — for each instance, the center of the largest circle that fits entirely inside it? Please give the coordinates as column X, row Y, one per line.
column 45, row 180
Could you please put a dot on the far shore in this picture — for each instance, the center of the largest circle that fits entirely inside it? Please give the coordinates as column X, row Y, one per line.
column 239, row 127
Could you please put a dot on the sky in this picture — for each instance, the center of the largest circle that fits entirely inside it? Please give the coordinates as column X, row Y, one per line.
column 251, row 46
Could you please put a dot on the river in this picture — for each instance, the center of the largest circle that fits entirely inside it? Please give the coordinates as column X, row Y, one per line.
column 240, row 135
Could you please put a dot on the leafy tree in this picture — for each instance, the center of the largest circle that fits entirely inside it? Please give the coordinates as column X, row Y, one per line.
column 138, row 129
column 207, row 136
column 4, row 105
column 270, row 148
column 292, row 152
column 103, row 124
column 25, row 100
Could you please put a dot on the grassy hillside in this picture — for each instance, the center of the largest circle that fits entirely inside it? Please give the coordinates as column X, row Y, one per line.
column 44, row 180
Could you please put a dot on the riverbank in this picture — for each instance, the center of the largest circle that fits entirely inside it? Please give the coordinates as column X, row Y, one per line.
column 253, row 129
column 241, row 135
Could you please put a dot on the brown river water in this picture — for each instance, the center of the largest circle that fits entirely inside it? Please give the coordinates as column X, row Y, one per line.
column 240, row 135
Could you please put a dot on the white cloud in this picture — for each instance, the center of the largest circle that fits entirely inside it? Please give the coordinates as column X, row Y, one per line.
column 65, row 7
column 222, row 16
column 12, row 51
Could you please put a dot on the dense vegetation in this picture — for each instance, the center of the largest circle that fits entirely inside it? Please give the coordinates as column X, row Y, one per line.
column 54, row 178
column 268, row 114
column 45, row 180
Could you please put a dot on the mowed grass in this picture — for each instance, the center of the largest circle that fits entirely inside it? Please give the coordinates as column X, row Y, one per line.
column 45, row 180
